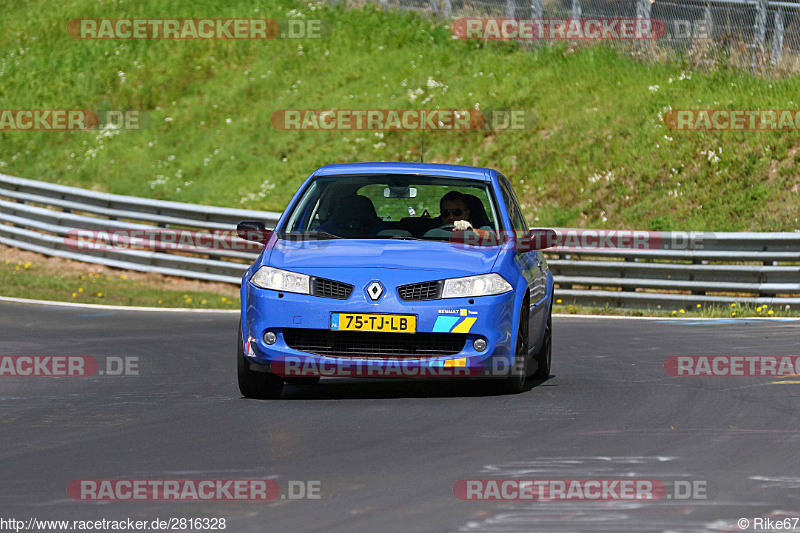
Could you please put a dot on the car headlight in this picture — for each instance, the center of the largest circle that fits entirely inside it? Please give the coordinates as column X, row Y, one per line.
column 280, row 280
column 483, row 285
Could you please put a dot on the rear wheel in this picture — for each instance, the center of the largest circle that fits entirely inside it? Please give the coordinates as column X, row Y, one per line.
column 257, row 385
column 544, row 356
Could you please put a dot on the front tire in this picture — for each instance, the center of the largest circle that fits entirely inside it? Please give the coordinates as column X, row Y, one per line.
column 516, row 382
column 256, row 385
column 304, row 380
column 543, row 357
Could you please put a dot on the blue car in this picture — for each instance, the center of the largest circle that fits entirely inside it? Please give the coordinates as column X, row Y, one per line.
column 396, row 270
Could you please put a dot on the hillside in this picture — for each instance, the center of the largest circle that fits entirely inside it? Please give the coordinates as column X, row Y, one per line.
column 598, row 154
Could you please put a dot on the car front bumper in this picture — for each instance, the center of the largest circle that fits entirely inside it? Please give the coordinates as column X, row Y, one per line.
column 291, row 316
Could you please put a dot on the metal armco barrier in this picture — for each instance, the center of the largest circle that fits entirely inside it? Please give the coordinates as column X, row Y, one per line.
column 681, row 269
column 36, row 216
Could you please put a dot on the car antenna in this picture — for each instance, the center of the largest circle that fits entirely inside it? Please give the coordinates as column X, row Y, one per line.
column 422, row 151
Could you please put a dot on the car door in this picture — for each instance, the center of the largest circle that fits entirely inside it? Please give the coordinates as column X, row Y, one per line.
column 529, row 261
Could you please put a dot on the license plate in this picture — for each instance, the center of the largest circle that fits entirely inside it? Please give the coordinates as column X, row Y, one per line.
column 369, row 322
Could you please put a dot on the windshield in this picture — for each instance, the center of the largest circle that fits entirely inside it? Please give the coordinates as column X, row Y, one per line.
column 391, row 207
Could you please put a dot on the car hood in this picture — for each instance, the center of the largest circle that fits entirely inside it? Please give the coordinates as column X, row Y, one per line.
column 442, row 257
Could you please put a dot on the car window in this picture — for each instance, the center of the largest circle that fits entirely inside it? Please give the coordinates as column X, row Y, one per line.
column 427, row 199
column 512, row 206
column 384, row 206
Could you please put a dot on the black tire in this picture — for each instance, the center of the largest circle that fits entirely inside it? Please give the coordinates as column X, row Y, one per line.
column 256, row 385
column 543, row 357
column 515, row 383
column 305, row 380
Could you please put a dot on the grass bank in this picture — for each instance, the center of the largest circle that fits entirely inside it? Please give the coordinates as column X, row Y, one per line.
column 597, row 155
column 28, row 275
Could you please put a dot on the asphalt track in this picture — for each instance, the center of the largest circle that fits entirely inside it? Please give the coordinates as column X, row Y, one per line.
column 387, row 452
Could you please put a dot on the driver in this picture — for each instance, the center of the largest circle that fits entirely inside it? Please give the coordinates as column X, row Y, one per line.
column 452, row 208
column 454, row 211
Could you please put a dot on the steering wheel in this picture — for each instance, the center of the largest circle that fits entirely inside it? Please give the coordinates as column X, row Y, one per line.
column 447, row 227
column 357, row 224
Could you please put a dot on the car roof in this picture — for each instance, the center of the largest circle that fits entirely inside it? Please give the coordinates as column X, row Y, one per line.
column 422, row 169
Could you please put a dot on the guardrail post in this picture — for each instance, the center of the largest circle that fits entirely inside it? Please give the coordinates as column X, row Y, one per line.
column 567, row 257
column 622, row 275
column 762, row 280
column 696, row 243
column 697, row 292
column 777, row 38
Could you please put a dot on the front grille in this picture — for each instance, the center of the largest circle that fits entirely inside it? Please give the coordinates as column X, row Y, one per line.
column 327, row 288
column 428, row 290
column 371, row 345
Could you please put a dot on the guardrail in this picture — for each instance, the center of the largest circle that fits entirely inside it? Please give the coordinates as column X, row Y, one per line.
column 685, row 269
column 706, row 268
column 37, row 216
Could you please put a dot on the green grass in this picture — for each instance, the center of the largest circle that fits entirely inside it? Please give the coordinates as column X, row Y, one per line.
column 732, row 310
column 210, row 139
column 36, row 281
column 49, row 279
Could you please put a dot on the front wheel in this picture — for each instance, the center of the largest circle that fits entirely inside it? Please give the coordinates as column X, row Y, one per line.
column 257, row 385
column 515, row 383
column 304, row 380
column 543, row 357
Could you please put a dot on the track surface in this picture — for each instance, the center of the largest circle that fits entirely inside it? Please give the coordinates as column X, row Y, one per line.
column 387, row 452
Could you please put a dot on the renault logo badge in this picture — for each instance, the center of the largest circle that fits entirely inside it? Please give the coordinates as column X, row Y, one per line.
column 374, row 290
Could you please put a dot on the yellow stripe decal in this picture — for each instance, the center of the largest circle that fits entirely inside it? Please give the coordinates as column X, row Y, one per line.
column 464, row 326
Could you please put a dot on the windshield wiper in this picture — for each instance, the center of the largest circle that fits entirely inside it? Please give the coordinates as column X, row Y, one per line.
column 405, row 238
column 312, row 234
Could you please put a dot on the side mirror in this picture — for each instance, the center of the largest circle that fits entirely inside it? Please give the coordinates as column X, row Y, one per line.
column 538, row 239
column 252, row 230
